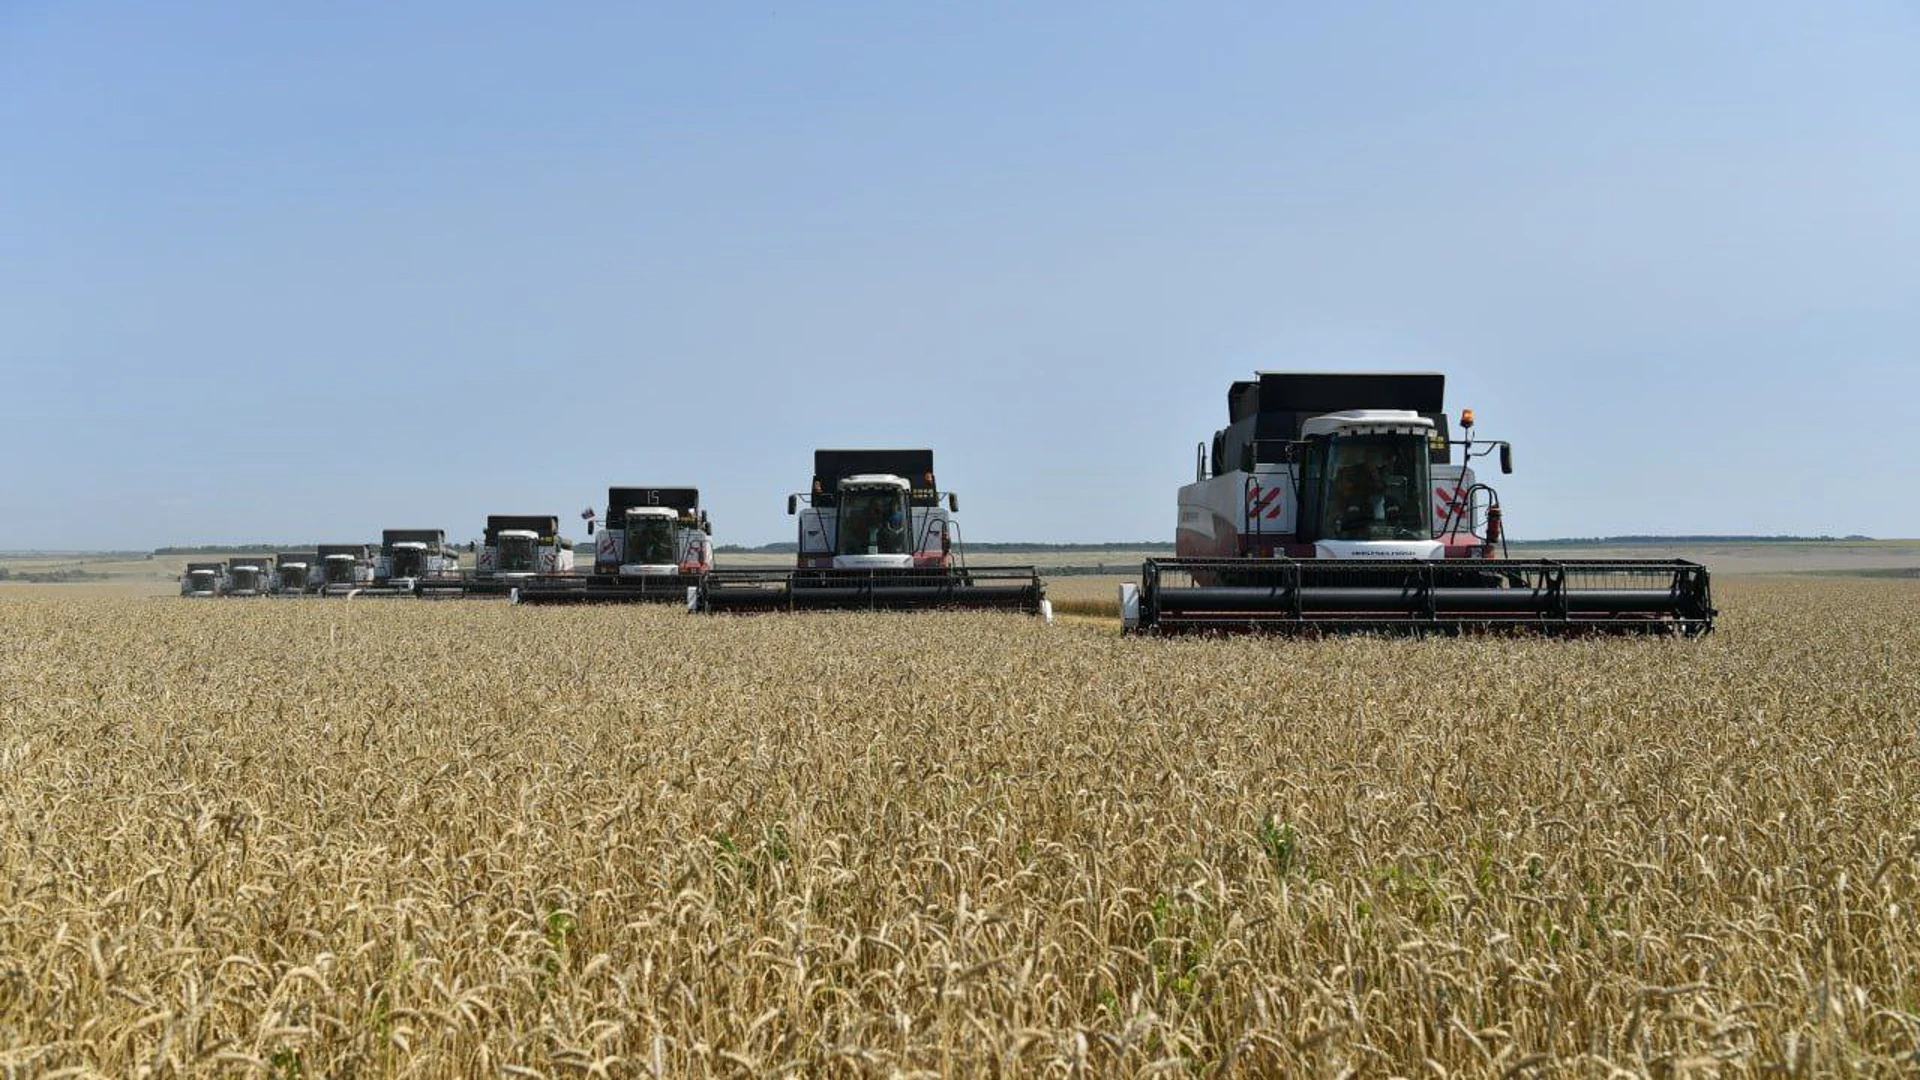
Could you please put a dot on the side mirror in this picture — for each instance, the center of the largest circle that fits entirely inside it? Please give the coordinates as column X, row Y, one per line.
column 953, row 503
column 1506, row 458
column 472, row 546
column 589, row 526
column 793, row 505
column 706, row 526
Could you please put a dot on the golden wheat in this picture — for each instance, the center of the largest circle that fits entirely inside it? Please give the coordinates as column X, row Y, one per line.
column 447, row 840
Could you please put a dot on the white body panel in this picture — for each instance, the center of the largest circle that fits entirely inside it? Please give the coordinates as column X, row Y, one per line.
column 1367, row 422
column 873, row 562
column 1379, row 549
column 634, row 569
column 693, row 545
column 1241, row 513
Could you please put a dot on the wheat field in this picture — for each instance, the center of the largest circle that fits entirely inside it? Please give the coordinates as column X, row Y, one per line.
column 289, row 838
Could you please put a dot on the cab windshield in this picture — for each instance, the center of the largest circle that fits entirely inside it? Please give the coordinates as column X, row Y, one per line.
column 1376, row 488
column 873, row 522
column 293, row 577
column 650, row 541
column 340, row 569
column 517, row 555
column 246, row 577
column 407, row 562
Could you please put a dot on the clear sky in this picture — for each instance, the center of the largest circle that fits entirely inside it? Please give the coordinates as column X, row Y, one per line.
column 296, row 271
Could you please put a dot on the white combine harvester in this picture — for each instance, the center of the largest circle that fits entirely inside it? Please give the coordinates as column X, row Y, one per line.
column 516, row 549
column 656, row 544
column 345, row 568
column 1334, row 502
column 876, row 533
column 295, row 573
column 412, row 561
column 203, row 579
column 247, row 575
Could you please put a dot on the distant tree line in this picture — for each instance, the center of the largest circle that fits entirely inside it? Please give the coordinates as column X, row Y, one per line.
column 1566, row 541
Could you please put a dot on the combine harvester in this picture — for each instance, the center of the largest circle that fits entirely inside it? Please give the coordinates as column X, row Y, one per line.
column 295, row 573
column 516, row 549
column 415, row 561
column 247, row 575
column 1334, row 503
column 203, row 579
column 875, row 535
column 345, row 568
column 656, row 545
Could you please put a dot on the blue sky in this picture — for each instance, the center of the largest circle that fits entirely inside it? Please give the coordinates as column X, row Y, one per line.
column 303, row 272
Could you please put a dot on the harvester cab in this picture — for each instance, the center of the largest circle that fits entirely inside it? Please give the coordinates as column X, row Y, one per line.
column 515, row 548
column 517, row 553
column 412, row 560
column 655, row 545
column 651, row 542
column 1337, row 502
column 345, row 568
column 876, row 532
column 870, row 529
column 875, row 510
column 1363, row 480
column 247, row 576
column 202, row 579
column 295, row 572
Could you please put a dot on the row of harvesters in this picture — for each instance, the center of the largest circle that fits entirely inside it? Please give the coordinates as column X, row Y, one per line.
column 875, row 533
column 406, row 562
column 1329, row 503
